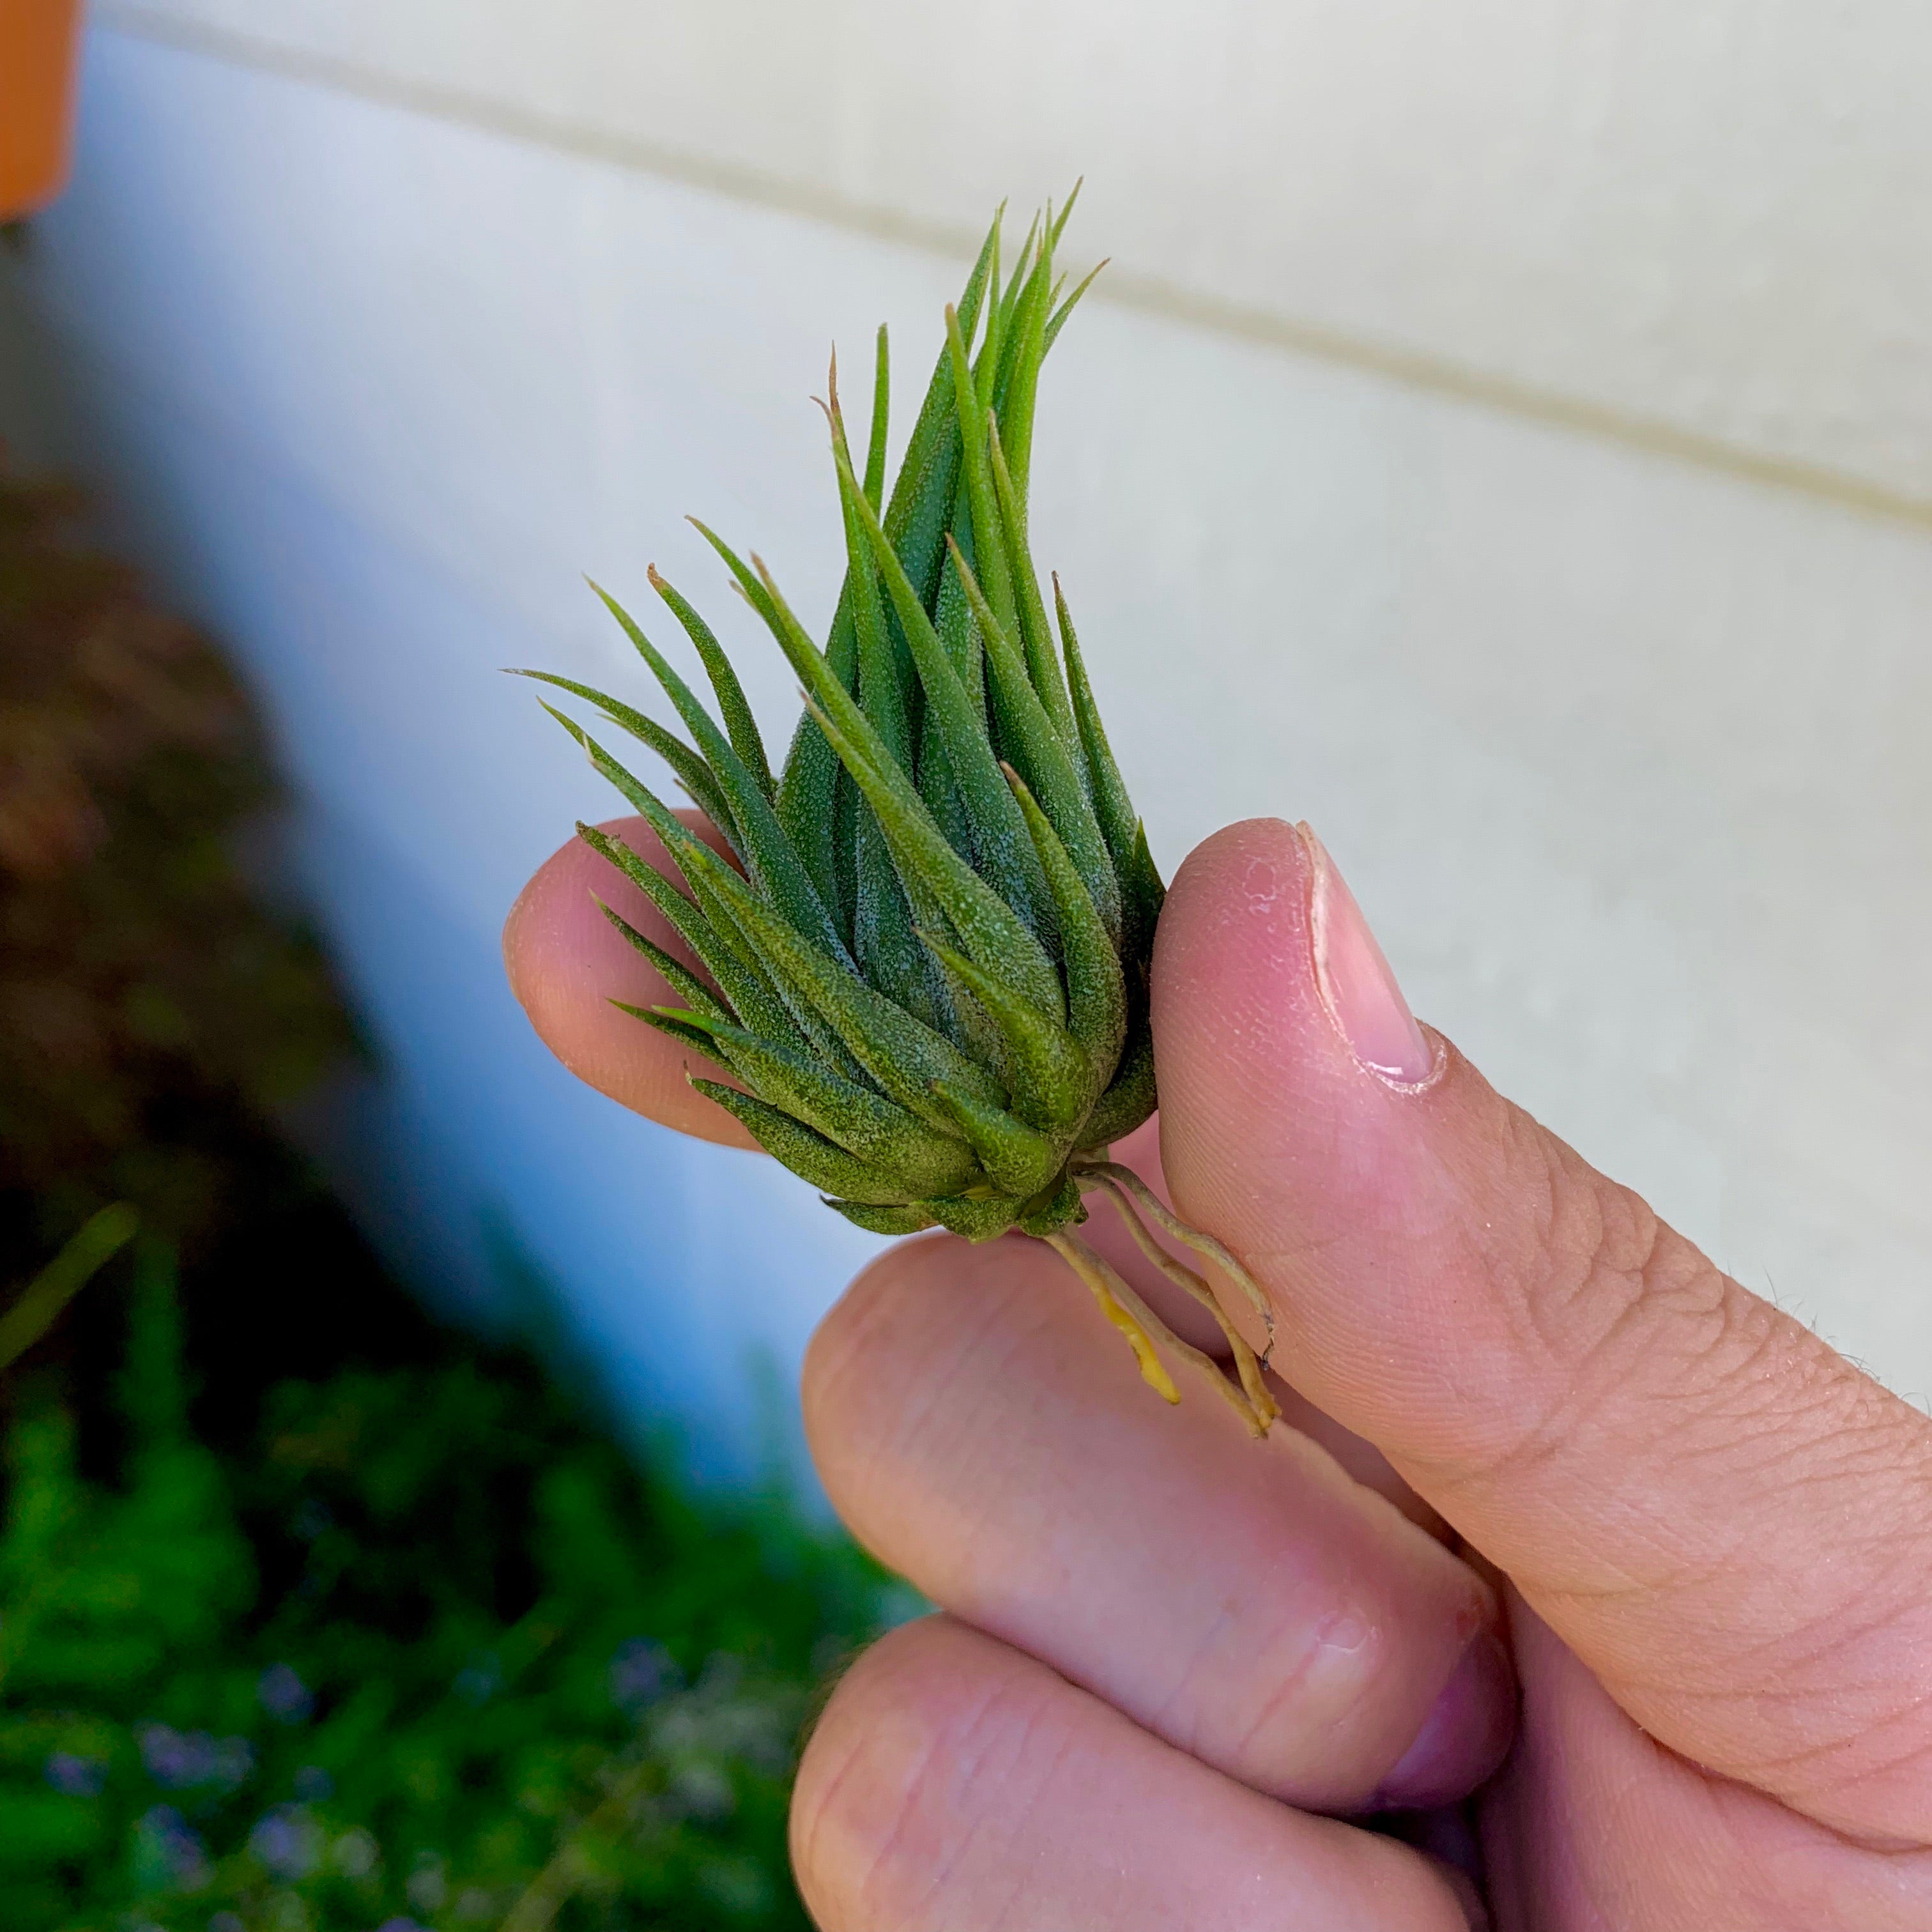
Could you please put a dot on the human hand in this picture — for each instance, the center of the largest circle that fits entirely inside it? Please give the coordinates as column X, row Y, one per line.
column 1172, row 1663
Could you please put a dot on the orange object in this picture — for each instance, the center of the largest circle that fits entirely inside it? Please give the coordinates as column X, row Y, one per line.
column 39, row 42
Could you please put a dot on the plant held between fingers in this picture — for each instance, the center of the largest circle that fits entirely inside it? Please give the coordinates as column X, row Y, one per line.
column 928, row 973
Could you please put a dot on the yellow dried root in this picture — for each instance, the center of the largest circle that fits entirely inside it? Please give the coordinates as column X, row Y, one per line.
column 1247, row 1363
column 1164, row 1217
column 1143, row 1328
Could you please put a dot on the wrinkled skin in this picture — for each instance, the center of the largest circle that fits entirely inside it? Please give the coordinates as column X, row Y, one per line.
column 1565, row 1519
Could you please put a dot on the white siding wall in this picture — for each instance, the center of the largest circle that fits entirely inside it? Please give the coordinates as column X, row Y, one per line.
column 1705, row 217
column 383, row 323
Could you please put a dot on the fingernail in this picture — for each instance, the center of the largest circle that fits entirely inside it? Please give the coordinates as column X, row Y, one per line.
column 1464, row 1738
column 1359, row 991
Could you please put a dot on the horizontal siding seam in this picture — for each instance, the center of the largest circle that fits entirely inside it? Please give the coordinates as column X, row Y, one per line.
column 1126, row 287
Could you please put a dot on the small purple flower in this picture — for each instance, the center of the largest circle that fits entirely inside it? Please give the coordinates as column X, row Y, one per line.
column 227, row 1921
column 641, row 1672
column 284, row 1695
column 288, row 1841
column 75, row 1776
column 178, row 1759
column 170, row 1758
column 399, row 1925
column 167, row 1854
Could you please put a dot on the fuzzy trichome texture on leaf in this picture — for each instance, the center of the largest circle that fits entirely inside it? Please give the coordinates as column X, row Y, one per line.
column 928, row 971
column 927, row 974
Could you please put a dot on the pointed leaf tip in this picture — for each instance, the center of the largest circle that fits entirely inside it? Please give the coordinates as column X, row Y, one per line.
column 1053, row 1075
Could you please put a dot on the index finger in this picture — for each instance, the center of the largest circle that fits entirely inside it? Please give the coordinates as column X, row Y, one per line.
column 567, row 963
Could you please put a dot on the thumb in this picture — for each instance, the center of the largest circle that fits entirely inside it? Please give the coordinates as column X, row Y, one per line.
column 1730, row 1525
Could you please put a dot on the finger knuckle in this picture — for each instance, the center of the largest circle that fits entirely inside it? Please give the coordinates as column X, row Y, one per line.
column 908, row 1352
column 1621, row 1310
column 1645, row 1346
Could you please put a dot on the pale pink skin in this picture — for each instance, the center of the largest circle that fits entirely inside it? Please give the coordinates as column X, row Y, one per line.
column 1171, row 1664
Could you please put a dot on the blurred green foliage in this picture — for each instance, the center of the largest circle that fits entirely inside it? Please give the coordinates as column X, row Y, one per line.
column 312, row 1615
column 500, row 1678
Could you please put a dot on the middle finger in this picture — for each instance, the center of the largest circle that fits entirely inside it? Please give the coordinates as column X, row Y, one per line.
column 986, row 1436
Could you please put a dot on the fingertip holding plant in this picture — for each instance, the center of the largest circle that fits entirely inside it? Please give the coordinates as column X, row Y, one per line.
column 929, row 969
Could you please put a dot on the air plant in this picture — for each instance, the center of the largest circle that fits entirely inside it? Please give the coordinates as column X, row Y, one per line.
column 927, row 974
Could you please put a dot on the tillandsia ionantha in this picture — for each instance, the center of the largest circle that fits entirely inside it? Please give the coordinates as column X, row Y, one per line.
column 928, row 973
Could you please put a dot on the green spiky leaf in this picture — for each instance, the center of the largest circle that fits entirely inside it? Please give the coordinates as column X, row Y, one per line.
column 693, row 773
column 694, row 993
column 746, row 738
column 892, row 1140
column 877, row 1220
column 926, row 974
column 768, row 853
